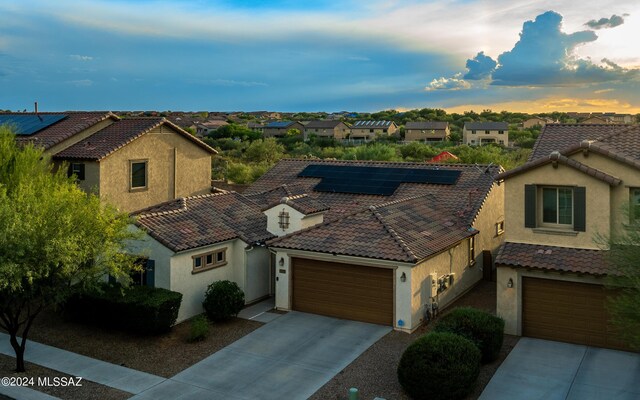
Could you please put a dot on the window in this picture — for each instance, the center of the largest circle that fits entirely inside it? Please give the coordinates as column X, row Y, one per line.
column 144, row 275
column 370, row 130
column 283, row 219
column 487, row 132
column 502, row 142
column 206, row 261
column 472, row 251
column 499, row 228
column 138, row 174
column 634, row 205
column 473, row 132
column 76, row 169
column 385, row 130
column 500, row 132
column 556, row 207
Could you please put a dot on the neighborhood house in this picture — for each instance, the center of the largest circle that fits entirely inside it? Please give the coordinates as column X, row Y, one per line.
column 481, row 133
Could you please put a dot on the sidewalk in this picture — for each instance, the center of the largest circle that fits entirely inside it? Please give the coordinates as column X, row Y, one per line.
column 115, row 376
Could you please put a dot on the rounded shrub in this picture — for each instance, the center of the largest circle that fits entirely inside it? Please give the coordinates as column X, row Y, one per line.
column 482, row 328
column 223, row 300
column 199, row 329
column 439, row 366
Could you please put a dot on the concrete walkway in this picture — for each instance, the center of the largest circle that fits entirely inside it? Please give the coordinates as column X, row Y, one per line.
column 289, row 358
column 115, row 376
column 261, row 311
column 541, row 369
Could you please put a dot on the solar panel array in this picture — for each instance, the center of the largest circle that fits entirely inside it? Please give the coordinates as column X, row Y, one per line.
column 28, row 124
column 382, row 181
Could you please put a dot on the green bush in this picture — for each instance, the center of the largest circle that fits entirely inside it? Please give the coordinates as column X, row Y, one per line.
column 439, row 366
column 482, row 328
column 199, row 329
column 140, row 309
column 223, row 300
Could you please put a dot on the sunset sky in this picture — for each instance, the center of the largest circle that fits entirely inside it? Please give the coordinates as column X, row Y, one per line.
column 320, row 55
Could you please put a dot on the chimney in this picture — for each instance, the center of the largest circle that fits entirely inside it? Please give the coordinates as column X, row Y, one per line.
column 36, row 107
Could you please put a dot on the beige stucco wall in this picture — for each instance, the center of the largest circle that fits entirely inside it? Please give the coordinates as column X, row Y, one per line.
column 597, row 207
column 467, row 137
column 420, row 134
column 91, row 182
column 257, row 273
column 377, row 131
column 509, row 300
column 176, row 168
column 297, row 220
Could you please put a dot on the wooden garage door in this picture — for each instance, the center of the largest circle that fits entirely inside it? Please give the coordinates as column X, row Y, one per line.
column 343, row 290
column 567, row 312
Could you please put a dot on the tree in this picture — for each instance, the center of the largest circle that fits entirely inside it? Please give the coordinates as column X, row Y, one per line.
column 267, row 150
column 624, row 257
column 54, row 238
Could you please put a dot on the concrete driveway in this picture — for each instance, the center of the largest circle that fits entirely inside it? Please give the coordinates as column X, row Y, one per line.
column 541, row 369
column 289, row 358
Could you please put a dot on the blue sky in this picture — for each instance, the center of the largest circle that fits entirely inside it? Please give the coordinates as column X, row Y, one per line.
column 322, row 55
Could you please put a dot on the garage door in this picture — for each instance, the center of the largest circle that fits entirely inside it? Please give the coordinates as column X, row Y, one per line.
column 343, row 290
column 567, row 312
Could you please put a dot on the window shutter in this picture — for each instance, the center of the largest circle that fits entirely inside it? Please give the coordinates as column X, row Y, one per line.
column 81, row 172
column 579, row 209
column 70, row 170
column 529, row 206
column 150, row 268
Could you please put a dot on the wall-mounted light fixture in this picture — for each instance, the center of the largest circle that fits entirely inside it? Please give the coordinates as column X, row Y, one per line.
column 510, row 283
column 403, row 277
column 281, row 262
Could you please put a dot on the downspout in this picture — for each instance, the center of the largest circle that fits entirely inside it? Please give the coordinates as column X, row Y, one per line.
column 175, row 172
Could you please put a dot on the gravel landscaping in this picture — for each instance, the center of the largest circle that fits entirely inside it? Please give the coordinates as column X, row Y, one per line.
column 374, row 372
column 164, row 355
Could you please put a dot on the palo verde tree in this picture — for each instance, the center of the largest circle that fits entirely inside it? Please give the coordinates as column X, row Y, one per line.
column 54, row 238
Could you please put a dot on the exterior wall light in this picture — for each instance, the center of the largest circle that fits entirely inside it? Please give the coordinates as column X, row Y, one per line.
column 510, row 283
column 281, row 262
column 403, row 277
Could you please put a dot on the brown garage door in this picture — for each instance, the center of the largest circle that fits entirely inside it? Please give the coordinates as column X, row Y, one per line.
column 567, row 312
column 343, row 290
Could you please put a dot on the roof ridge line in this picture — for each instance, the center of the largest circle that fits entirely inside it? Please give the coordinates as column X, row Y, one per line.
column 324, row 223
column 396, row 237
column 183, row 207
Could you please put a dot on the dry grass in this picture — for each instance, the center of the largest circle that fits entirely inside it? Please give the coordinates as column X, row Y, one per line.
column 374, row 372
column 164, row 355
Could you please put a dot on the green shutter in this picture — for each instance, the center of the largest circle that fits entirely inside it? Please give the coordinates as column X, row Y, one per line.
column 579, row 209
column 529, row 206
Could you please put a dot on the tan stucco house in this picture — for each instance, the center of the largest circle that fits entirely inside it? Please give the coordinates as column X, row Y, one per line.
column 280, row 128
column 536, row 121
column 132, row 163
column 481, row 133
column 369, row 130
column 335, row 129
column 427, row 131
column 571, row 191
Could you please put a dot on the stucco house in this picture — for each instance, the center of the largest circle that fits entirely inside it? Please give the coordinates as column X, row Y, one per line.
column 207, row 127
column 132, row 163
column 369, row 130
column 280, row 128
column 551, row 267
column 536, row 121
column 387, row 242
column 191, row 242
column 335, row 129
column 481, row 133
column 596, row 119
column 427, row 131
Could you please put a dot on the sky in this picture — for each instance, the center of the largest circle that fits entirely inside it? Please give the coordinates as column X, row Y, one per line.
column 283, row 55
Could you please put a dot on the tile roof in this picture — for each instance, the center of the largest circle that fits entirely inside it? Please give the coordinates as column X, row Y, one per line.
column 407, row 230
column 197, row 221
column 74, row 123
column 119, row 134
column 279, row 124
column 466, row 196
column 301, row 202
column 560, row 159
column 323, row 124
column 553, row 258
column 487, row 125
column 436, row 125
column 558, row 137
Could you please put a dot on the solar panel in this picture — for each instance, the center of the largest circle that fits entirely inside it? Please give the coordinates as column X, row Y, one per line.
column 381, row 181
column 28, row 124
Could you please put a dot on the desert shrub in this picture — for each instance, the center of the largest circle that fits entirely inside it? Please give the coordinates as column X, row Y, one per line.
column 439, row 366
column 140, row 309
column 199, row 329
column 482, row 328
column 223, row 300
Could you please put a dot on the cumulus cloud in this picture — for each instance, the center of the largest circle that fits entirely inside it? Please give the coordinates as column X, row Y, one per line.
column 603, row 23
column 78, row 57
column 453, row 83
column 480, row 67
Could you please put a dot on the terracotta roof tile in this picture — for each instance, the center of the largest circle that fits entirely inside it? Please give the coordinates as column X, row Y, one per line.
column 559, row 137
column 301, row 202
column 553, row 258
column 118, row 135
column 198, row 221
column 426, row 125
